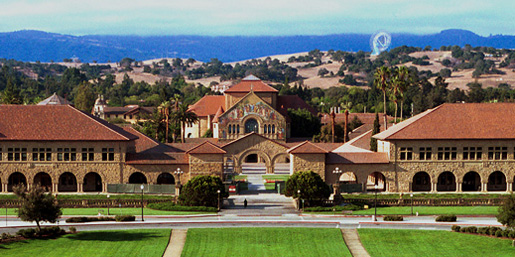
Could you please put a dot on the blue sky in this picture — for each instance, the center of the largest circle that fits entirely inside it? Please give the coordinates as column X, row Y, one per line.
column 258, row 17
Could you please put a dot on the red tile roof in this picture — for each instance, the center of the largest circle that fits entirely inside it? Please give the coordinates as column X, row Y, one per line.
column 257, row 135
column 306, row 147
column 254, row 84
column 208, row 105
column 366, row 118
column 457, row 121
column 56, row 122
column 156, row 159
column 357, row 158
column 143, row 143
column 218, row 114
column 206, row 148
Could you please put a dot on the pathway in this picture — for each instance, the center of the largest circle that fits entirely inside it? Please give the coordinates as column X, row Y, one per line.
column 351, row 238
column 176, row 244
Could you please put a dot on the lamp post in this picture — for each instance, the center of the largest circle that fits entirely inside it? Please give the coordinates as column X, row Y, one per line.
column 218, row 192
column 142, row 187
column 178, row 172
column 108, row 204
column 375, row 204
column 411, row 196
column 300, row 200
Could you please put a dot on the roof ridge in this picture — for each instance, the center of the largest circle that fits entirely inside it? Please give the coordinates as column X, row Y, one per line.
column 253, row 133
column 415, row 119
column 307, row 142
column 205, row 142
column 98, row 121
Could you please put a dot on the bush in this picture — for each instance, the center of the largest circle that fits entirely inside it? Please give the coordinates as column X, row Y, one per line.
column 72, row 230
column 170, row 206
column 446, row 218
column 5, row 236
column 310, row 184
column 511, row 234
column 455, row 228
column 348, row 207
column 471, row 229
column 45, row 231
column 493, row 230
column 506, row 214
column 202, row 191
column 505, row 233
column 393, row 218
column 125, row 218
column 88, row 219
column 27, row 233
column 498, row 233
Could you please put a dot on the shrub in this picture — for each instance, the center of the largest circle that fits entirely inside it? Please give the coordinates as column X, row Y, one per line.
column 170, row 206
column 505, row 233
column 348, row 207
column 52, row 231
column 446, row 218
column 455, row 228
column 72, row 230
column 471, row 229
column 506, row 214
column 498, row 233
column 493, row 230
column 88, row 219
column 125, row 218
column 27, row 233
column 202, row 191
column 6, row 236
column 393, row 218
column 310, row 184
column 482, row 230
column 511, row 234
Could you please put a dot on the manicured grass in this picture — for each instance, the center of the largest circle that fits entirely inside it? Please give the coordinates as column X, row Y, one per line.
column 96, row 196
column 270, row 186
column 264, row 242
column 371, row 195
column 424, row 210
column 240, row 177
column 280, row 177
column 113, row 211
column 142, row 242
column 396, row 243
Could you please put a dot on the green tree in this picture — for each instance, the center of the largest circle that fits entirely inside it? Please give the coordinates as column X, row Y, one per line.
column 11, row 94
column 375, row 130
column 506, row 215
column 310, row 184
column 303, row 123
column 183, row 116
column 85, row 97
column 36, row 205
column 382, row 81
column 202, row 191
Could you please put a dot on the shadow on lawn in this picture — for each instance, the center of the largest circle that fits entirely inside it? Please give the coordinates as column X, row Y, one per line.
column 113, row 236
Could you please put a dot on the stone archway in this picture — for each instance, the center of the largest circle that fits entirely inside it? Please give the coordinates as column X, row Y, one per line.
column 259, row 162
column 497, row 182
column 44, row 180
column 67, row 183
column 251, row 125
column 421, row 182
column 137, row 178
column 471, row 182
column 446, row 182
column 92, row 182
column 376, row 178
column 281, row 164
column 15, row 179
column 165, row 178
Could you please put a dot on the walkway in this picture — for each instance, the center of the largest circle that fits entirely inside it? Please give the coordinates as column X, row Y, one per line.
column 176, row 244
column 351, row 238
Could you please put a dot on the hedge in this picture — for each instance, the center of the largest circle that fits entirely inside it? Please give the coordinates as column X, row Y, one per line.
column 88, row 219
column 488, row 231
column 125, row 218
column 393, row 218
column 446, row 218
column 170, row 206
column 349, row 207
column 45, row 231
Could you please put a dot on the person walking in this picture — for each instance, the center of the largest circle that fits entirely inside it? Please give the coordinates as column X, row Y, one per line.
column 245, row 203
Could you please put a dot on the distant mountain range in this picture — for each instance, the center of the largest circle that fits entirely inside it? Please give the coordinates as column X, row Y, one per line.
column 30, row 45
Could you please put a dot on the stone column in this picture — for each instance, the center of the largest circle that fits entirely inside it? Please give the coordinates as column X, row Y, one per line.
column 55, row 187
column 79, row 188
column 29, row 185
column 434, row 187
column 4, row 188
column 484, row 187
column 364, row 187
column 104, row 187
column 509, row 187
column 458, row 187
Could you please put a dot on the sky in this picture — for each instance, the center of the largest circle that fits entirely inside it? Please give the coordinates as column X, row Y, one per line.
column 258, row 17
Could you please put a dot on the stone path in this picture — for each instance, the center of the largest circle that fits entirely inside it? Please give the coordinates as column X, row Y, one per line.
column 176, row 244
column 351, row 238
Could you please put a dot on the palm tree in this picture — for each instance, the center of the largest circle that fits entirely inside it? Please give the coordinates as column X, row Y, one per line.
column 381, row 81
column 183, row 115
column 403, row 74
column 394, row 93
column 165, row 109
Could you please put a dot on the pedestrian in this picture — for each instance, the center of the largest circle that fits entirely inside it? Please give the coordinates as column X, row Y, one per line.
column 245, row 203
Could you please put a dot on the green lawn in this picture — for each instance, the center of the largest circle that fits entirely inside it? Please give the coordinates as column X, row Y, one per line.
column 423, row 196
column 96, row 196
column 142, row 242
column 112, row 211
column 264, row 242
column 240, row 177
column 280, row 177
column 396, row 243
column 424, row 210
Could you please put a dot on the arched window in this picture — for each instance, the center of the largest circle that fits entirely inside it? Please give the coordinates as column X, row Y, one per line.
column 273, row 129
column 264, row 129
column 251, row 125
column 230, row 129
column 238, row 129
column 269, row 128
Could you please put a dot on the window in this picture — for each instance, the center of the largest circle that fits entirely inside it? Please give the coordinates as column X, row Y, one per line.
column 265, row 129
column 425, row 153
column 66, row 154
column 472, row 153
column 42, row 154
column 447, row 153
column 16, row 154
column 406, row 153
column 0, row 154
column 497, row 153
column 238, row 129
column 107, row 154
column 88, row 154
column 230, row 129
column 273, row 129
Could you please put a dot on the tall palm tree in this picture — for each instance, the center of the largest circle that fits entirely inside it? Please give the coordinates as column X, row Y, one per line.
column 184, row 115
column 395, row 93
column 403, row 74
column 165, row 109
column 381, row 81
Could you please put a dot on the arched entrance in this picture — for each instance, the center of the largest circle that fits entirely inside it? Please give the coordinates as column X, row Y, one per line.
column 252, row 158
column 16, row 179
column 165, row 178
column 471, row 182
column 421, row 182
column 137, row 178
column 496, row 182
column 446, row 182
column 67, row 183
column 251, row 125
column 376, row 178
column 92, row 182
column 348, row 178
column 254, row 161
column 44, row 180
column 281, row 164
